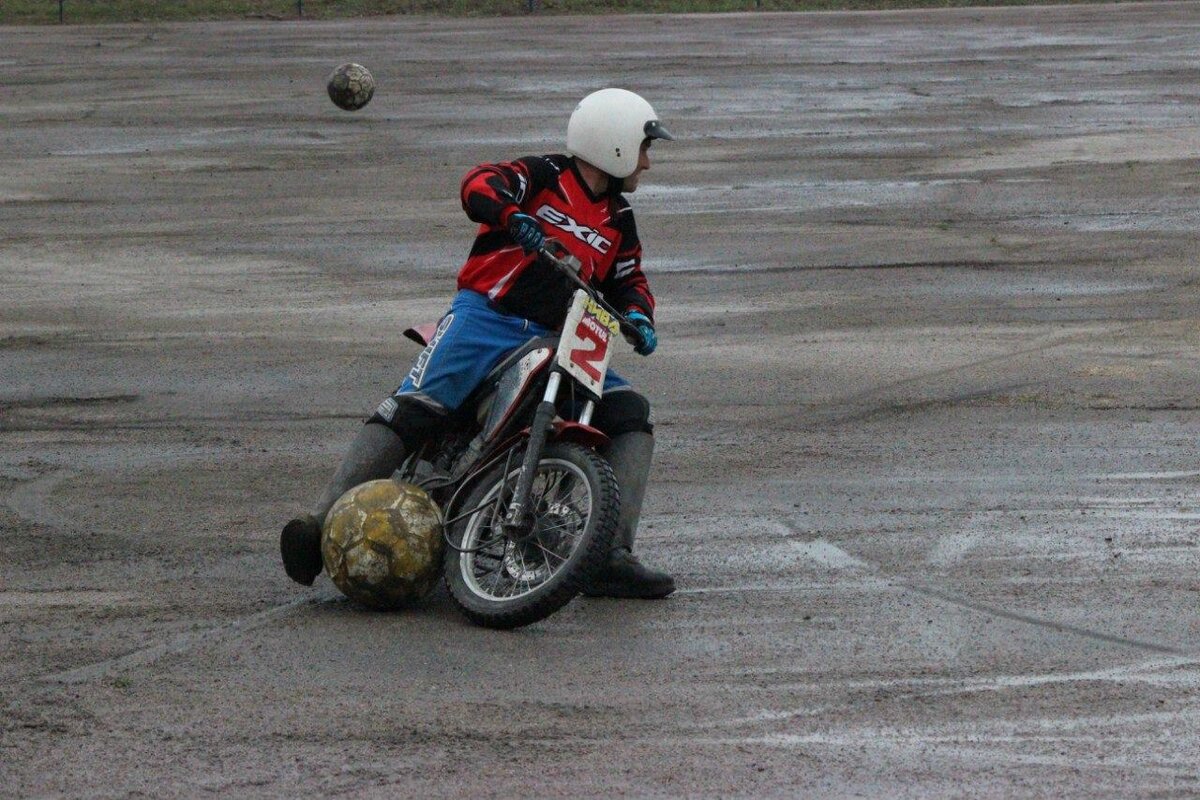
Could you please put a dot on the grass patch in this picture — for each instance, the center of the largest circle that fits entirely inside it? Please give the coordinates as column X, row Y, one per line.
column 17, row 12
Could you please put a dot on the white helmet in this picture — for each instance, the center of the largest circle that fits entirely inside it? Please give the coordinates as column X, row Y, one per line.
column 608, row 127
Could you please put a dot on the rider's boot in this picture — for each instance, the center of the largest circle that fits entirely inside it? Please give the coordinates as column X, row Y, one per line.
column 623, row 575
column 374, row 453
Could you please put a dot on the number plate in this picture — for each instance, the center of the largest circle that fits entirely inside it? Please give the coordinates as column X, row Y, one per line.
column 586, row 344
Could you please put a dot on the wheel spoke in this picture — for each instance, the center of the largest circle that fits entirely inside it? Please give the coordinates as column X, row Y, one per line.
column 548, row 552
column 496, row 537
column 497, row 578
column 499, row 568
column 572, row 524
column 551, row 492
column 525, row 570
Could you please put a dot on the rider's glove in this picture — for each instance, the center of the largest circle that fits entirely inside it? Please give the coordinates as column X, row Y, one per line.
column 526, row 231
column 646, row 329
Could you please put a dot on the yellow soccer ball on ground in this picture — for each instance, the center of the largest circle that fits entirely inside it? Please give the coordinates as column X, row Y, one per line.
column 382, row 543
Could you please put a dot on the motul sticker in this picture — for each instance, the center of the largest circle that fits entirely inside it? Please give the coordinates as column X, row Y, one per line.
column 586, row 344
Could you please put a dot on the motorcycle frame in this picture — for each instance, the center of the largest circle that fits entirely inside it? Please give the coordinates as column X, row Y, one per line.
column 544, row 427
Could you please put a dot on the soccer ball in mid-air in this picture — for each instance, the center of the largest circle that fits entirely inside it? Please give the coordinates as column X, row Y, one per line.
column 382, row 543
column 351, row 86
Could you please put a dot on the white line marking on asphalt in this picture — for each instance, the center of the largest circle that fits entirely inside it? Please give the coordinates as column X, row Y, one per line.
column 828, row 555
column 1143, row 672
column 819, row 551
column 952, row 547
column 975, row 748
column 1154, row 671
column 1145, row 476
column 29, row 500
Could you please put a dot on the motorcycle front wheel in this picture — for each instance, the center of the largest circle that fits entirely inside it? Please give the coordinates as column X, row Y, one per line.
column 503, row 582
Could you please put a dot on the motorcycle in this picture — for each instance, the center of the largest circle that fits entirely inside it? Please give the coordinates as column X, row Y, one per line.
column 529, row 505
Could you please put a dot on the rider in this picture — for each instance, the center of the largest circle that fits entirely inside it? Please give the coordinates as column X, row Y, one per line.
column 508, row 295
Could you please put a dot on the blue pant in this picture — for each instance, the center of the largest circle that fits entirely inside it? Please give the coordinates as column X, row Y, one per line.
column 471, row 339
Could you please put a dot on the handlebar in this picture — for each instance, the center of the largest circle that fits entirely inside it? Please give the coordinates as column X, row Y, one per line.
column 569, row 265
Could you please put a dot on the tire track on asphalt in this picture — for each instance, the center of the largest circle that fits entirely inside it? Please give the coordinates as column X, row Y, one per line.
column 1147, row 671
column 177, row 645
column 1029, row 619
column 30, row 502
column 794, row 534
column 866, row 396
column 961, row 600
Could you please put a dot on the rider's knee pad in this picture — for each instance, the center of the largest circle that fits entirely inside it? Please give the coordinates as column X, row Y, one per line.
column 623, row 411
column 413, row 421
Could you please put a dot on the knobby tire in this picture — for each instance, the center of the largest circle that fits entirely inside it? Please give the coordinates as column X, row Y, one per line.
column 585, row 559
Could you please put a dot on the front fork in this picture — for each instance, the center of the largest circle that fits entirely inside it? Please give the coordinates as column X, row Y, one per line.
column 519, row 520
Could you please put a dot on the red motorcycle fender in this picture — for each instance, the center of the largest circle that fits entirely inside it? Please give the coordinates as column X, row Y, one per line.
column 560, row 431
column 566, row 431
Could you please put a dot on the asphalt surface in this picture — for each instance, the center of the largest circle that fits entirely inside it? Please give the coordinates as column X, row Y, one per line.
column 926, row 405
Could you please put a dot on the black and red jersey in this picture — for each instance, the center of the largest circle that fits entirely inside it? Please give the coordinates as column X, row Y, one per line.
column 597, row 229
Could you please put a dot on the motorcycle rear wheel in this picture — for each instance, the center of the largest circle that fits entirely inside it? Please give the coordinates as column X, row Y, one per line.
column 500, row 582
